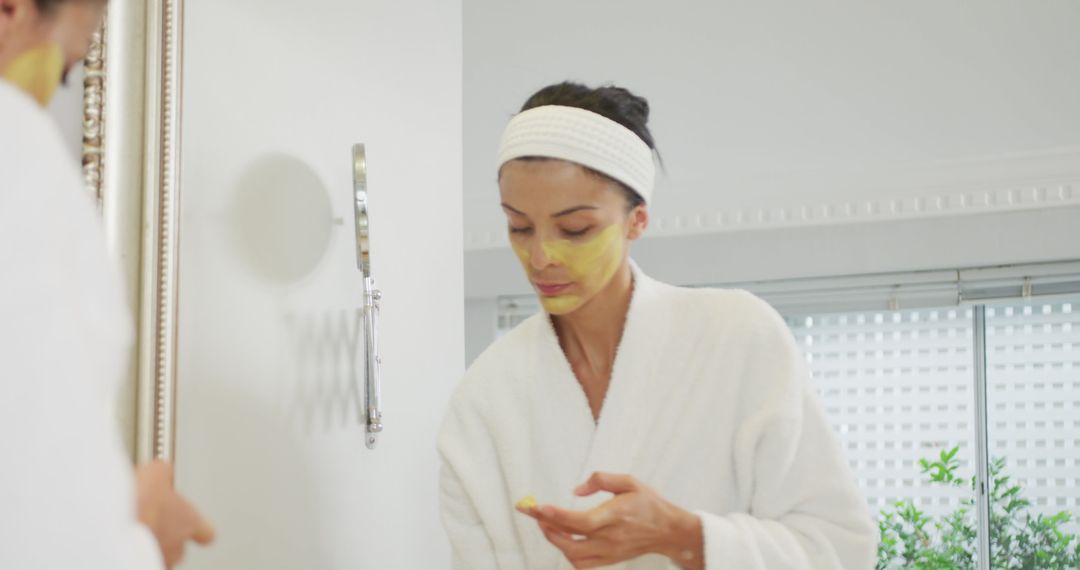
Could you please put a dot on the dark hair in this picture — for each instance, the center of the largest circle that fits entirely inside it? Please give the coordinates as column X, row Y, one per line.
column 47, row 6
column 615, row 103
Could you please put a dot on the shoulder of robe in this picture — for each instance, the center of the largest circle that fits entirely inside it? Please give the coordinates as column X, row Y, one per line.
column 491, row 378
column 500, row 363
column 44, row 207
column 773, row 372
column 726, row 309
column 34, row 163
column 27, row 132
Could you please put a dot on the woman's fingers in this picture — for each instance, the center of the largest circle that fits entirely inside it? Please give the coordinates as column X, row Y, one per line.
column 577, row 522
column 610, row 482
column 546, row 528
column 204, row 533
column 199, row 530
column 623, row 528
column 174, row 555
column 169, row 516
column 573, row 548
column 582, row 553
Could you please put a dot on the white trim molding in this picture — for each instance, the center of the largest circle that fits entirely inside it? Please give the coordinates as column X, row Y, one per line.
column 791, row 198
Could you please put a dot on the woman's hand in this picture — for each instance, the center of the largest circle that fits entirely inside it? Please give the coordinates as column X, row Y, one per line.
column 169, row 516
column 637, row 521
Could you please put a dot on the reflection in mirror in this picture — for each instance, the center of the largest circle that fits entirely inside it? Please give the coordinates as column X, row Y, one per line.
column 806, row 161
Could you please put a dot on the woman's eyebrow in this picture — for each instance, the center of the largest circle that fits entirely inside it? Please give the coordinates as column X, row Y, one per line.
column 565, row 212
column 569, row 211
column 512, row 209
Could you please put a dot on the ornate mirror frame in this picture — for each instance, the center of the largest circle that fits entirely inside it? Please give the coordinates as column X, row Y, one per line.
column 131, row 157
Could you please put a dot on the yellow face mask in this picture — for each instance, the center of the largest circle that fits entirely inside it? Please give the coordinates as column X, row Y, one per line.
column 591, row 266
column 38, row 71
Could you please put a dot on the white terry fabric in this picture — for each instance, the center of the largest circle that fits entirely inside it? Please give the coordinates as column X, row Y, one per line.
column 584, row 137
column 67, row 494
column 709, row 403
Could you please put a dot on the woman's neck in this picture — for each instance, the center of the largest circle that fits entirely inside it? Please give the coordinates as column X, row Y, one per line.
column 590, row 335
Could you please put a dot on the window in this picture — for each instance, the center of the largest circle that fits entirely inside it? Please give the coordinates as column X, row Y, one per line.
column 898, row 388
column 1033, row 396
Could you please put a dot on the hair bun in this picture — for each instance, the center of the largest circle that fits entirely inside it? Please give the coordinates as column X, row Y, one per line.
column 627, row 102
column 611, row 101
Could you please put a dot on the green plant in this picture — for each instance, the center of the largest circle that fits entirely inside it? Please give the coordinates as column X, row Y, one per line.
column 1019, row 540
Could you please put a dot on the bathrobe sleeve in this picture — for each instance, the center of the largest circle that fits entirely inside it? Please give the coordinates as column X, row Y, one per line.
column 470, row 543
column 472, row 546
column 805, row 510
column 67, row 489
column 67, row 492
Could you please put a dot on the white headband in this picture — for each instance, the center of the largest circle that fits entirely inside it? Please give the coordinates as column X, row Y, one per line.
column 584, row 137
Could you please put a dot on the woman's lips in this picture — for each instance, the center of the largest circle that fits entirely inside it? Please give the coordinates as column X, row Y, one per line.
column 550, row 290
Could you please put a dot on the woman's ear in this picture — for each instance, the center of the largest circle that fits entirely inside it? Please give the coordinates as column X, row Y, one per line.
column 15, row 14
column 9, row 10
column 638, row 222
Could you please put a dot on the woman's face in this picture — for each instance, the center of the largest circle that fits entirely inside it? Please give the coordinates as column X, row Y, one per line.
column 569, row 227
column 38, row 50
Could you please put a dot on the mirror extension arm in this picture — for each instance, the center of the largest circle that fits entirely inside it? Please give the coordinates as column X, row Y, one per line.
column 372, row 298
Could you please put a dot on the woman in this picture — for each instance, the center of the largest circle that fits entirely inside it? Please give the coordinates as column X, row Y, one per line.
column 68, row 497
column 661, row 427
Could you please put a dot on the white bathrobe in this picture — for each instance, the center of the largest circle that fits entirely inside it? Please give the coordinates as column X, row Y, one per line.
column 67, row 496
column 709, row 403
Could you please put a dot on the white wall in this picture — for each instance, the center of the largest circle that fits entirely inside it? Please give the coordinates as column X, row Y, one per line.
column 804, row 139
column 480, row 317
column 270, row 440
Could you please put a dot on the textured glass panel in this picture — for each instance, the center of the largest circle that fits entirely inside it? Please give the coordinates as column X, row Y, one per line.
column 1033, row 392
column 898, row 386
